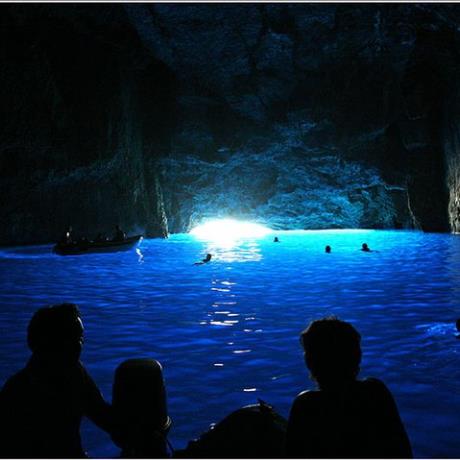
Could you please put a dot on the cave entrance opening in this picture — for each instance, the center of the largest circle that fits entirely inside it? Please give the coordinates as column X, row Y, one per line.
column 229, row 229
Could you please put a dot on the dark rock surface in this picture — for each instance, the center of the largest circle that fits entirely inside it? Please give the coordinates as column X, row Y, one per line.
column 283, row 184
column 82, row 110
column 294, row 115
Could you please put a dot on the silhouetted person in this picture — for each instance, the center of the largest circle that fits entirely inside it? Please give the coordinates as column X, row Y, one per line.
column 345, row 417
column 101, row 238
column 119, row 234
column 457, row 324
column 139, row 405
column 41, row 406
column 365, row 248
column 276, row 240
column 205, row 260
column 67, row 238
column 83, row 241
column 328, row 249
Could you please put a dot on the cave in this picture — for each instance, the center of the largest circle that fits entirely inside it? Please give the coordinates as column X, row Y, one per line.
column 322, row 127
column 160, row 118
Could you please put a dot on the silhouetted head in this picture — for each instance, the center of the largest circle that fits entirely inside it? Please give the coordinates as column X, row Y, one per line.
column 327, row 249
column 56, row 333
column 140, row 409
column 332, row 351
column 365, row 247
column 276, row 240
column 458, row 325
column 117, row 227
column 207, row 258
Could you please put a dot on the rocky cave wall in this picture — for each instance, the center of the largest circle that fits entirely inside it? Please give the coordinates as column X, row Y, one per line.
column 158, row 116
column 306, row 116
column 274, row 120
column 83, row 109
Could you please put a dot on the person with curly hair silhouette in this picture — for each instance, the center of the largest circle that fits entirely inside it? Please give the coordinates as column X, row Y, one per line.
column 345, row 417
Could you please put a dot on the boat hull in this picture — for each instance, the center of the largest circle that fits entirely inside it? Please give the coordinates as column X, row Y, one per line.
column 94, row 247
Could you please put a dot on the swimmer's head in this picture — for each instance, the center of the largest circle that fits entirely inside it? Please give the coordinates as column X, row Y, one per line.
column 327, row 249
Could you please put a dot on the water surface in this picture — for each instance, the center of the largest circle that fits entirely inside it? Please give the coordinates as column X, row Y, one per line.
column 227, row 332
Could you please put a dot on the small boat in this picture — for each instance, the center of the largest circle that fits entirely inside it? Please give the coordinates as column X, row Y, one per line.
column 91, row 247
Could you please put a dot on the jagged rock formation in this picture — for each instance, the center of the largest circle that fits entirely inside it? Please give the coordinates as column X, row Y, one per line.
column 452, row 149
column 295, row 115
column 286, row 185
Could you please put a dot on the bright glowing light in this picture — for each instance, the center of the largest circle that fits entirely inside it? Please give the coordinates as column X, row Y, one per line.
column 229, row 229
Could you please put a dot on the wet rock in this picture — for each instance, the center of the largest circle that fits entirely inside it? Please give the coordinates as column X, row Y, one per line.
column 284, row 185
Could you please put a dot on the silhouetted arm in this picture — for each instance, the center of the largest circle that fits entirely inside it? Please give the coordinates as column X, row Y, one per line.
column 5, row 425
column 96, row 408
column 14, row 424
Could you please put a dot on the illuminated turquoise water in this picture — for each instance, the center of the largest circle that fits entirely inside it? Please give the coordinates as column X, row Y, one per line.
column 227, row 332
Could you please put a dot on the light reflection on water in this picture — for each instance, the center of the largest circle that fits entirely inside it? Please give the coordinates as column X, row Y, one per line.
column 227, row 331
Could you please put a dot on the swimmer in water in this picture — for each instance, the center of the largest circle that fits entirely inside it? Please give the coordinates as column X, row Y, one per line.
column 276, row 240
column 205, row 260
column 365, row 248
column 457, row 324
column 328, row 249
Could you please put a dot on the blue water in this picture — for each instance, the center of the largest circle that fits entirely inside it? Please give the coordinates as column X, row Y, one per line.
column 227, row 332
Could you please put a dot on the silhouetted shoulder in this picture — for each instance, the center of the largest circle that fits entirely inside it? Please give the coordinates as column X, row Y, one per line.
column 17, row 384
column 373, row 383
column 307, row 395
column 302, row 426
column 377, row 392
column 373, row 387
column 359, row 420
column 306, row 399
column 386, row 418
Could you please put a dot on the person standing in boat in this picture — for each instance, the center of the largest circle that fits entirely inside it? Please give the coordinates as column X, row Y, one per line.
column 41, row 407
column 119, row 234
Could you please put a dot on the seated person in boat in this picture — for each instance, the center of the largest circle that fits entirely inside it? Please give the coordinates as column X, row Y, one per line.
column 101, row 238
column 345, row 417
column 119, row 234
column 67, row 237
column 41, row 406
